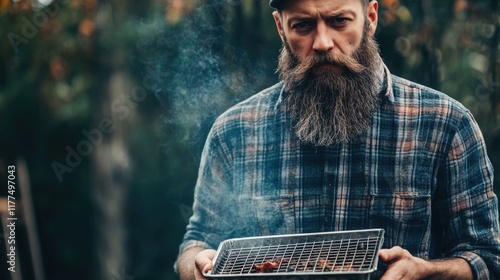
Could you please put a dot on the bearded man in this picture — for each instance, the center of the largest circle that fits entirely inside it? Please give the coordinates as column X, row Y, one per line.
column 341, row 144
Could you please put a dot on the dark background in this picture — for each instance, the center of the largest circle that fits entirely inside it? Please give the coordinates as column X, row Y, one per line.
column 108, row 104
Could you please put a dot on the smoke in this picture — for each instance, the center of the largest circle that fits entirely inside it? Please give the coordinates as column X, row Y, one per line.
column 204, row 70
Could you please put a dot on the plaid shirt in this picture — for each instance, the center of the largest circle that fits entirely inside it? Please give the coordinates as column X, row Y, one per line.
column 420, row 172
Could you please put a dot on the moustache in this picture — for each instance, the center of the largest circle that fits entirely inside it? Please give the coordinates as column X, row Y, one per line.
column 319, row 59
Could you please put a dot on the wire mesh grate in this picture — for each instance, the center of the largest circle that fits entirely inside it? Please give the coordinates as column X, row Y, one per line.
column 332, row 253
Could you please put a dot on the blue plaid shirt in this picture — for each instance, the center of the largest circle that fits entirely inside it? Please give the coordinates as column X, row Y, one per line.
column 420, row 172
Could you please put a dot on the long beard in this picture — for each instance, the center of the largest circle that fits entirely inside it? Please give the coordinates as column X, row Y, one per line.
column 328, row 108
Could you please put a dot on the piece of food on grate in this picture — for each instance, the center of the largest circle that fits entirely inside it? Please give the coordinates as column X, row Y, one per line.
column 267, row 266
column 285, row 264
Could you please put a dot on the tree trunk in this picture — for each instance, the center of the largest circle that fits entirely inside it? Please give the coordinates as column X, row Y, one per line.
column 110, row 157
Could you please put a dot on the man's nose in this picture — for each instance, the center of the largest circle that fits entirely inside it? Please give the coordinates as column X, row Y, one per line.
column 322, row 41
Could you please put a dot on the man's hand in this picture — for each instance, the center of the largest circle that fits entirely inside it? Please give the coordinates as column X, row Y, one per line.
column 193, row 262
column 203, row 263
column 402, row 265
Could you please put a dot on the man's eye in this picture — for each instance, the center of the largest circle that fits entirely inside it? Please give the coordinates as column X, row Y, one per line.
column 339, row 21
column 302, row 26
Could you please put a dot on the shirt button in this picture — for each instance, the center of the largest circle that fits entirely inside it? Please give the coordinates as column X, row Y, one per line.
column 328, row 219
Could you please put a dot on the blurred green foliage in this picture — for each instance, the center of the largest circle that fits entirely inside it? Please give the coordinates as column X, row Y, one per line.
column 159, row 72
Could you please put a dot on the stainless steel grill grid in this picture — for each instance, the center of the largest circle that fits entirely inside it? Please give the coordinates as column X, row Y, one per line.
column 343, row 252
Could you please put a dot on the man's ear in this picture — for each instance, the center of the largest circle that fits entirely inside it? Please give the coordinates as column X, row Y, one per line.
column 372, row 15
column 279, row 25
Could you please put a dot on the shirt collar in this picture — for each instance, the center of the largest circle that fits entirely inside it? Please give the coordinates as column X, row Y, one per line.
column 385, row 81
column 387, row 85
column 281, row 97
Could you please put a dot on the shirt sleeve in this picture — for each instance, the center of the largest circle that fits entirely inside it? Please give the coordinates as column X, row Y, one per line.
column 209, row 222
column 467, row 205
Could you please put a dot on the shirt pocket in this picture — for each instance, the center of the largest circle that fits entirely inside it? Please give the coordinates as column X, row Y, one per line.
column 275, row 214
column 406, row 218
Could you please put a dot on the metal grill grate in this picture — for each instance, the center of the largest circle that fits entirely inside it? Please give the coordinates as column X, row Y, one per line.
column 345, row 252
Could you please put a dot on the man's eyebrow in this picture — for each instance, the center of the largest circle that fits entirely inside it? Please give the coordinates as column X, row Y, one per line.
column 343, row 12
column 300, row 18
column 305, row 16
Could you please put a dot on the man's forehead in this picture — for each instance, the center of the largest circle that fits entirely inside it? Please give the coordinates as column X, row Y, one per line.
column 325, row 9
column 277, row 4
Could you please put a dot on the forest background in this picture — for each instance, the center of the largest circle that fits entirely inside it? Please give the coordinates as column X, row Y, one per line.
column 107, row 103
